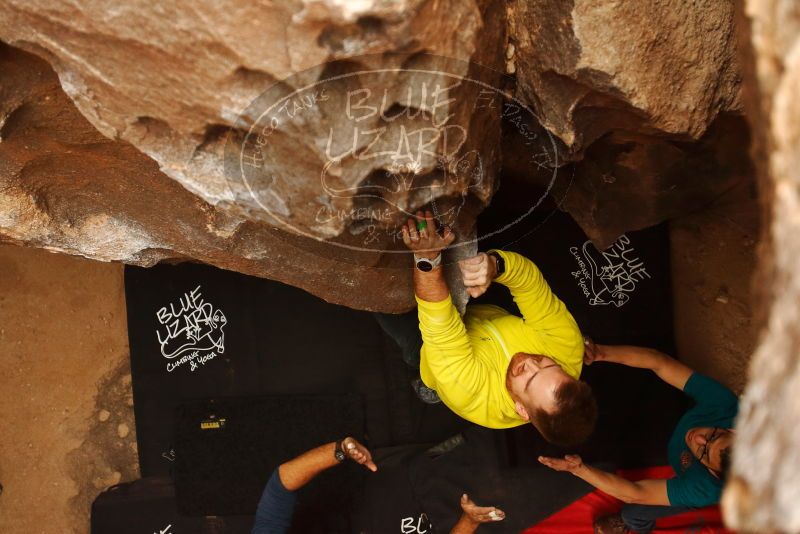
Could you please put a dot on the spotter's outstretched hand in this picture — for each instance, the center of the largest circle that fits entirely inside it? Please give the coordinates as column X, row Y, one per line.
column 480, row 514
column 570, row 463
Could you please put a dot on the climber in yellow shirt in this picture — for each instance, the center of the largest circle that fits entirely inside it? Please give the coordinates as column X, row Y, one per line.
column 494, row 368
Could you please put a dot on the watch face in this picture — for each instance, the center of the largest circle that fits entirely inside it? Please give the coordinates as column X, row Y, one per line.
column 501, row 263
column 340, row 456
column 424, row 266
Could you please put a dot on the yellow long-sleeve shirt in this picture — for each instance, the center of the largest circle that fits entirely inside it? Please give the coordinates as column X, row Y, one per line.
column 465, row 361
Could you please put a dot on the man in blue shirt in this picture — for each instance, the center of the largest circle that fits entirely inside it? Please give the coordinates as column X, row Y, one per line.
column 276, row 507
column 699, row 449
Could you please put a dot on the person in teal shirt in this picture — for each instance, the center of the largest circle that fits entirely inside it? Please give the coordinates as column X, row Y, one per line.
column 699, row 449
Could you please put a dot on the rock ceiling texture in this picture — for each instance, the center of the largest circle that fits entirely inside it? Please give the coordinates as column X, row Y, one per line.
column 289, row 140
column 764, row 491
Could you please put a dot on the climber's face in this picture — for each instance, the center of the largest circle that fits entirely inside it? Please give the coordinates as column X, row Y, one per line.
column 532, row 380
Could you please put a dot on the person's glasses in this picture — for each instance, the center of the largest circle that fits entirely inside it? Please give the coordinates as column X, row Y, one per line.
column 709, row 440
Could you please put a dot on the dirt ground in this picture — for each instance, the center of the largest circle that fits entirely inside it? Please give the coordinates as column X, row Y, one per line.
column 65, row 394
column 63, row 361
column 713, row 259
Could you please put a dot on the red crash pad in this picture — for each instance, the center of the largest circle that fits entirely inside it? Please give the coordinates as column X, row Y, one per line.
column 577, row 518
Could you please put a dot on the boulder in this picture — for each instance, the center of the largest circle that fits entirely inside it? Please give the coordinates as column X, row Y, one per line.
column 763, row 491
column 632, row 90
column 356, row 116
column 304, row 133
column 173, row 79
column 67, row 188
column 589, row 67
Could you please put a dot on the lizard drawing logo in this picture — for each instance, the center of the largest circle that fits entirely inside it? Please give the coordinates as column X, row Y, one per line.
column 608, row 277
column 190, row 331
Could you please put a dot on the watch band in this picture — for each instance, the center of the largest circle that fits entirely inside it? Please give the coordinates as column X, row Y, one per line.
column 426, row 265
column 501, row 263
column 338, row 453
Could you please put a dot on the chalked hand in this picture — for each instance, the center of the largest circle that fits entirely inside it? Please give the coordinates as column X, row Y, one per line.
column 480, row 514
column 478, row 273
column 423, row 236
column 358, row 453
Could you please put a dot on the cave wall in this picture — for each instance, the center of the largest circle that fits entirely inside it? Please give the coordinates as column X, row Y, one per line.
column 591, row 67
column 636, row 105
column 170, row 79
column 169, row 83
column 763, row 493
column 645, row 98
column 67, row 188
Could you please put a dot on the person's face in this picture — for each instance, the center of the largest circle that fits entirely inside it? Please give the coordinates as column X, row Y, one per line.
column 532, row 380
column 707, row 444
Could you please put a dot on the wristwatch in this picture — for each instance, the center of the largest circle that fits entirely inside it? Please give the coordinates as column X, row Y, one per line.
column 339, row 452
column 501, row 263
column 427, row 265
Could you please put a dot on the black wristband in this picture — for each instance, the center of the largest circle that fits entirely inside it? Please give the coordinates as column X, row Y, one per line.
column 501, row 263
column 338, row 453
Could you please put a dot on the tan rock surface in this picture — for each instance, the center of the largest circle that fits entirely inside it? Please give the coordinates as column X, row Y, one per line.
column 171, row 83
column 67, row 188
column 171, row 80
column 626, row 86
column 764, row 492
column 654, row 67
column 63, row 354
column 631, row 91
